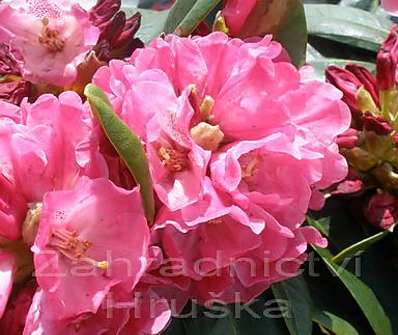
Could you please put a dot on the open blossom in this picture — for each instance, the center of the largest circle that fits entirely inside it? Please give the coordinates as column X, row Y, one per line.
column 214, row 244
column 141, row 313
column 267, row 140
column 96, row 230
column 52, row 38
column 52, row 142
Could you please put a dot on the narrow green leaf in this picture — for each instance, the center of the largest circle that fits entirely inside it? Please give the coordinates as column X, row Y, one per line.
column 362, row 294
column 347, row 25
column 127, row 144
column 358, row 247
column 334, row 323
column 176, row 14
column 295, row 291
column 197, row 14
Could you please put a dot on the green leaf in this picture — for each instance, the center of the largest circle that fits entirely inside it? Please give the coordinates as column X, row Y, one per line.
column 127, row 144
column 197, row 14
column 334, row 323
column 347, row 25
column 362, row 294
column 152, row 24
column 320, row 63
column 176, row 14
column 293, row 35
column 295, row 291
column 359, row 247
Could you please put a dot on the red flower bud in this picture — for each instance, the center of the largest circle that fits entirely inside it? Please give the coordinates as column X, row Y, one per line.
column 387, row 61
column 367, row 79
column 376, row 124
column 103, row 11
column 117, row 33
column 382, row 210
column 346, row 82
column 14, row 91
column 349, row 139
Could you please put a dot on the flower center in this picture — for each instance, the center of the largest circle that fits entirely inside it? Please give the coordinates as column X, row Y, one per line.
column 173, row 160
column 50, row 38
column 207, row 136
column 72, row 247
column 250, row 167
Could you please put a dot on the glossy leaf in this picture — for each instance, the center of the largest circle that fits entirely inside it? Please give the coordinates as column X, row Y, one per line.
column 295, row 291
column 347, row 25
column 334, row 323
column 319, row 63
column 362, row 294
column 127, row 144
column 152, row 24
column 176, row 14
column 199, row 11
column 354, row 249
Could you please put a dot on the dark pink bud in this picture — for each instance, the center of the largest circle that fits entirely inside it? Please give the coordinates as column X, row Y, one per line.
column 387, row 61
column 349, row 139
column 367, row 79
column 113, row 28
column 103, row 11
column 14, row 91
column 346, row 82
column 382, row 210
column 8, row 63
column 377, row 124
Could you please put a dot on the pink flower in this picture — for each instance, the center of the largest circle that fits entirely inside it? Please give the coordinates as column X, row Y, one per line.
column 141, row 313
column 52, row 142
column 52, row 38
column 7, row 272
column 261, row 172
column 89, row 240
column 391, row 6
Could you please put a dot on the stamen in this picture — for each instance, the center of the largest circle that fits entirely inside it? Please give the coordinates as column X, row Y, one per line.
column 50, row 38
column 72, row 247
column 207, row 136
column 206, row 108
column 173, row 160
column 250, row 167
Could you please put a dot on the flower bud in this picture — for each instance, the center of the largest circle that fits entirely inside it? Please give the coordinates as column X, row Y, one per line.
column 367, row 79
column 387, row 62
column 346, row 82
column 382, row 210
column 103, row 11
column 377, row 124
column 8, row 63
column 14, row 91
column 116, row 40
column 349, row 139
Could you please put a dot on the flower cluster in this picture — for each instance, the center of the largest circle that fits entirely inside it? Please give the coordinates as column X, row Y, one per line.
column 370, row 145
column 54, row 45
column 239, row 146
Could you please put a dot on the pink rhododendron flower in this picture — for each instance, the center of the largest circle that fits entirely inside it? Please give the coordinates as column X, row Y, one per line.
column 51, row 37
column 390, row 6
column 89, row 240
column 7, row 272
column 236, row 13
column 52, row 142
column 141, row 313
